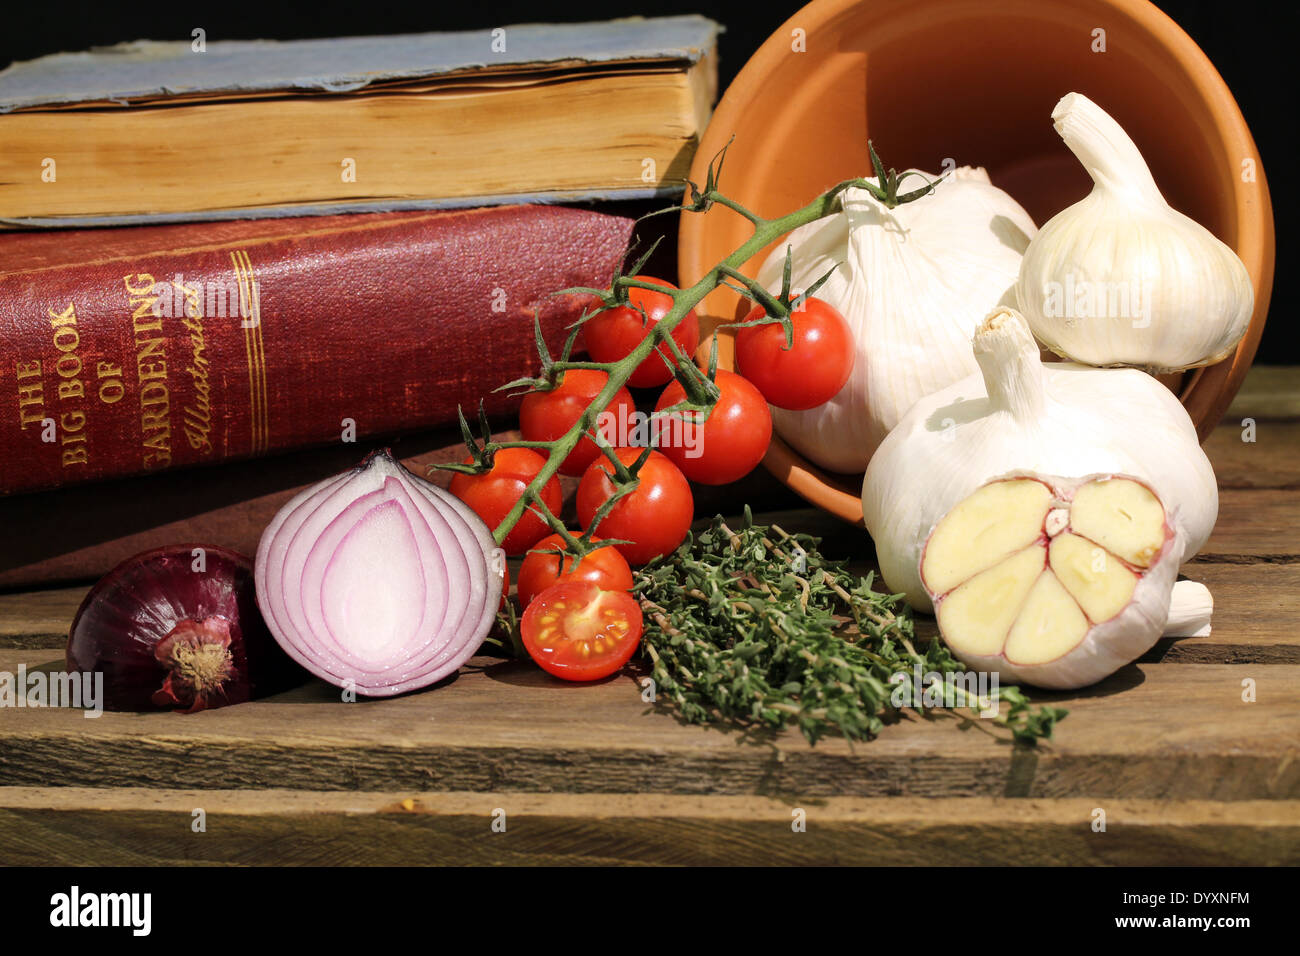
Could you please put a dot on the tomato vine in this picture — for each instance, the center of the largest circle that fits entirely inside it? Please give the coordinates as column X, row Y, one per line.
column 701, row 391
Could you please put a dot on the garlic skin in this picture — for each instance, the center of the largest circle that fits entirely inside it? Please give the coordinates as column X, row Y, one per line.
column 913, row 283
column 1019, row 414
column 1120, row 278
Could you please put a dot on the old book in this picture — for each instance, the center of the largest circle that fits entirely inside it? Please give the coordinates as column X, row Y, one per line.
column 154, row 131
column 126, row 351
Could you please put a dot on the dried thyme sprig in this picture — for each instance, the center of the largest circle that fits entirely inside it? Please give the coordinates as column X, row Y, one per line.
column 754, row 627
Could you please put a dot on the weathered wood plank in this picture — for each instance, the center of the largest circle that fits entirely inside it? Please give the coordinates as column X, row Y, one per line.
column 1268, row 392
column 1256, row 617
column 1271, row 460
column 134, row 827
column 1151, row 731
column 1255, row 525
column 39, row 618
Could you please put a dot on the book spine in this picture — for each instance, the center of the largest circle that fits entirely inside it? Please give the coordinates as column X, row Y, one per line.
column 115, row 365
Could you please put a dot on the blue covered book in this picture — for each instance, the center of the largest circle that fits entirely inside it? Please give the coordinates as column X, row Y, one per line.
column 208, row 129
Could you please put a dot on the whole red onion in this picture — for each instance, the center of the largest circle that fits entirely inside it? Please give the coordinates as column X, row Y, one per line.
column 178, row 627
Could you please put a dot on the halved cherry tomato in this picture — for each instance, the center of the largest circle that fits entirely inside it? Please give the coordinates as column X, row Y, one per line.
column 809, row 373
column 492, row 494
column 611, row 335
column 654, row 517
column 579, row 632
column 604, row 567
column 545, row 416
column 728, row 444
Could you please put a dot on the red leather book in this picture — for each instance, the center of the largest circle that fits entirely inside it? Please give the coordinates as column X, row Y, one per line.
column 137, row 350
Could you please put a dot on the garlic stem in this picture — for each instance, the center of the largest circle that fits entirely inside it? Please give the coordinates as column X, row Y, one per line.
column 1190, row 609
column 1108, row 153
column 1009, row 361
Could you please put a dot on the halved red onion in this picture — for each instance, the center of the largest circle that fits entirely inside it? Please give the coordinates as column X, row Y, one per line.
column 379, row 580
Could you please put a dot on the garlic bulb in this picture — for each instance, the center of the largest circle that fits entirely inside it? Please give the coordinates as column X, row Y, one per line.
column 1021, row 415
column 913, row 282
column 1120, row 278
column 1050, row 581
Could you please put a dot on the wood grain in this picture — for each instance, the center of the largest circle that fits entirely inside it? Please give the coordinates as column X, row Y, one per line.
column 1272, row 460
column 1255, row 525
column 1269, row 392
column 149, row 827
column 1178, row 731
column 1256, row 617
column 39, row 618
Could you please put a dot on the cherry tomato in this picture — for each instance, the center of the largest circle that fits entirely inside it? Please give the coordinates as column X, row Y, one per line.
column 654, row 517
column 611, row 335
column 579, row 632
column 492, row 494
column 604, row 567
column 545, row 416
column 812, row 371
column 728, row 444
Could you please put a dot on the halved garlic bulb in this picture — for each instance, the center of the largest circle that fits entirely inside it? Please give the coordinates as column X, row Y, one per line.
column 1051, row 581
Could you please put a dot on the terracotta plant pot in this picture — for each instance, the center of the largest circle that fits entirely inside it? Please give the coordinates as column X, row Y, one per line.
column 976, row 82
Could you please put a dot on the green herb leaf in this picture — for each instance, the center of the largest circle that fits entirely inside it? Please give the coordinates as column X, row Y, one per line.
column 754, row 627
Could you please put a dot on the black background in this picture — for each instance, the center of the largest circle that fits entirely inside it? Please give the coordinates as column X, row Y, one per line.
column 1247, row 40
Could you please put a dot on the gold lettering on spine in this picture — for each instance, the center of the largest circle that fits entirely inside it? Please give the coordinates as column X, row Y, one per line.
column 72, row 424
column 250, row 312
column 151, row 371
column 196, row 418
column 31, row 393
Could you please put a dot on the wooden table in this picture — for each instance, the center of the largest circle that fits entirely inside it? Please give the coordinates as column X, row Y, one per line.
column 1184, row 770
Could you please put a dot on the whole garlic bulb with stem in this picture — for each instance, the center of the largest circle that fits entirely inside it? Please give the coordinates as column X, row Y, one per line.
column 1021, row 415
column 913, row 281
column 1120, row 277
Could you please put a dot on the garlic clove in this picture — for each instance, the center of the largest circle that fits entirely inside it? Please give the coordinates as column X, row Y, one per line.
column 1122, row 279
column 1048, row 626
column 981, row 610
column 1123, row 517
column 1089, row 593
column 1190, row 610
column 1100, row 586
column 984, row 519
